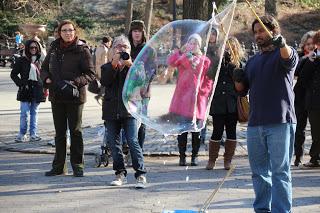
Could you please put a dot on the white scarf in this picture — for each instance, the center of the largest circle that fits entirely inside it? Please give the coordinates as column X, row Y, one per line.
column 33, row 76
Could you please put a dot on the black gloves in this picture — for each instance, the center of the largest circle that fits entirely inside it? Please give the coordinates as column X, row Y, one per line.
column 278, row 41
column 239, row 75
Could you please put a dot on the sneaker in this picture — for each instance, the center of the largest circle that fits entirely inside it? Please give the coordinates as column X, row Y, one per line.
column 141, row 182
column 35, row 138
column 120, row 180
column 20, row 138
column 51, row 143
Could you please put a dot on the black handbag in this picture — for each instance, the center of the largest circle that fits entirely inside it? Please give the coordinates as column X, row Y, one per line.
column 94, row 86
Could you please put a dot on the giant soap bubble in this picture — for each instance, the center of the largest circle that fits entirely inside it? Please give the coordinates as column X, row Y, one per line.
column 171, row 83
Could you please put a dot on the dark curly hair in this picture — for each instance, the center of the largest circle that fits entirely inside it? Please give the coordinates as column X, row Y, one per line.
column 270, row 22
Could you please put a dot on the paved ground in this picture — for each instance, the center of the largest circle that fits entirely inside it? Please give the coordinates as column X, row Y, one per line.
column 24, row 188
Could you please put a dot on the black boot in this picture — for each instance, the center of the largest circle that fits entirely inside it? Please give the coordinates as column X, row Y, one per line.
column 182, row 145
column 195, row 148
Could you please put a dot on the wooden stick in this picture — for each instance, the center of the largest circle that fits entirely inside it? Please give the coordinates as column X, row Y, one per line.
column 259, row 20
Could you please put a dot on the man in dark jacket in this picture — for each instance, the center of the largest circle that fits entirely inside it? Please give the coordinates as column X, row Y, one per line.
column 137, row 38
column 66, row 71
column 116, row 115
column 269, row 76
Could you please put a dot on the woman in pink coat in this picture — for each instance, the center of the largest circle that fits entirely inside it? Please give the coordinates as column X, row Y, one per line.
column 189, row 99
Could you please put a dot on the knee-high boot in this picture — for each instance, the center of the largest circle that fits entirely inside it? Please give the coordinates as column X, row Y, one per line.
column 182, row 145
column 230, row 147
column 214, row 147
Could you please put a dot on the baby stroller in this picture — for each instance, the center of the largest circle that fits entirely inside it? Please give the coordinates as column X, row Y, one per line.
column 103, row 158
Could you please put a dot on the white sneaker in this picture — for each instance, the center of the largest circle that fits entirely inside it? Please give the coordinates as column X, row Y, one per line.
column 35, row 138
column 141, row 182
column 51, row 143
column 119, row 180
column 20, row 138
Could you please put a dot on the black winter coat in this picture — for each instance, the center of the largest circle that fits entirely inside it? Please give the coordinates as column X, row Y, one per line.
column 113, row 80
column 310, row 79
column 73, row 63
column 225, row 96
column 28, row 90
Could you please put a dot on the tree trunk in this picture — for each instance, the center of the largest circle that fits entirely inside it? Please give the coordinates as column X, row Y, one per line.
column 195, row 9
column 129, row 15
column 148, row 16
column 271, row 7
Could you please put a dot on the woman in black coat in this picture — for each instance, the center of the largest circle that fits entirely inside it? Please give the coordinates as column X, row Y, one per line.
column 224, row 106
column 26, row 75
column 66, row 71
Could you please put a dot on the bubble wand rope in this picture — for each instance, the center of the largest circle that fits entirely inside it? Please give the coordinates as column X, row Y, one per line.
column 210, row 198
column 259, row 20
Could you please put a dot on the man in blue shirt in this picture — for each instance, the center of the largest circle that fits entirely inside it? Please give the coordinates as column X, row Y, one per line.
column 268, row 76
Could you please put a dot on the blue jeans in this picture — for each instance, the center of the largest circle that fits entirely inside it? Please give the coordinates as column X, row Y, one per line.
column 131, row 133
column 25, row 109
column 270, row 149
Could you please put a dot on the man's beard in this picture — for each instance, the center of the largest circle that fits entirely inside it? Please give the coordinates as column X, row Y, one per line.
column 264, row 43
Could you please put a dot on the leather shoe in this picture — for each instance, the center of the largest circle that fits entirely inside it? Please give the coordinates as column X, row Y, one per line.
column 53, row 172
column 78, row 173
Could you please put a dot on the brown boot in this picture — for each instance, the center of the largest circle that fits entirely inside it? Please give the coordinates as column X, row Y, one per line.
column 230, row 147
column 214, row 147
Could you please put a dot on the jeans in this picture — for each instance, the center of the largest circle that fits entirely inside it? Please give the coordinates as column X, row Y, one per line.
column 131, row 133
column 25, row 108
column 270, row 149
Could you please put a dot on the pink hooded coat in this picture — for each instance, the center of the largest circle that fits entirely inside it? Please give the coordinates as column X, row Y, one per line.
column 183, row 100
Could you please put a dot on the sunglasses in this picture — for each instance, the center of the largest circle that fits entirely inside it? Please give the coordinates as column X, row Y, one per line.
column 33, row 47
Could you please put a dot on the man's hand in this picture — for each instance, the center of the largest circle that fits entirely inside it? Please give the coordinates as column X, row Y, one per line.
column 115, row 60
column 128, row 62
column 278, row 41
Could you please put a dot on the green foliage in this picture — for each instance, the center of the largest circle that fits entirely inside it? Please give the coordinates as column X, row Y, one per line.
column 310, row 3
column 80, row 16
column 8, row 23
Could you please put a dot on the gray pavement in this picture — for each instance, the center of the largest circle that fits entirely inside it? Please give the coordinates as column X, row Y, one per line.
column 24, row 188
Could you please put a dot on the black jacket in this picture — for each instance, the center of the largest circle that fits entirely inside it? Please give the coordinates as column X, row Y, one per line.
column 28, row 90
column 310, row 79
column 225, row 96
column 299, row 89
column 113, row 80
column 73, row 63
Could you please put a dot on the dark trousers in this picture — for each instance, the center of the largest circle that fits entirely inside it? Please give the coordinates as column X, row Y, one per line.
column 302, row 118
column 64, row 115
column 182, row 143
column 221, row 121
column 314, row 118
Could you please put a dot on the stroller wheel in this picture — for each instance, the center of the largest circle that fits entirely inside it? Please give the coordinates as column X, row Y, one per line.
column 98, row 160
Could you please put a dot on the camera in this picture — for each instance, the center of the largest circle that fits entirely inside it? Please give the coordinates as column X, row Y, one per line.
column 315, row 56
column 124, row 55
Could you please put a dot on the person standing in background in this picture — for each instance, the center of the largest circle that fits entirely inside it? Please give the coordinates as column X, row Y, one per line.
column 101, row 56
